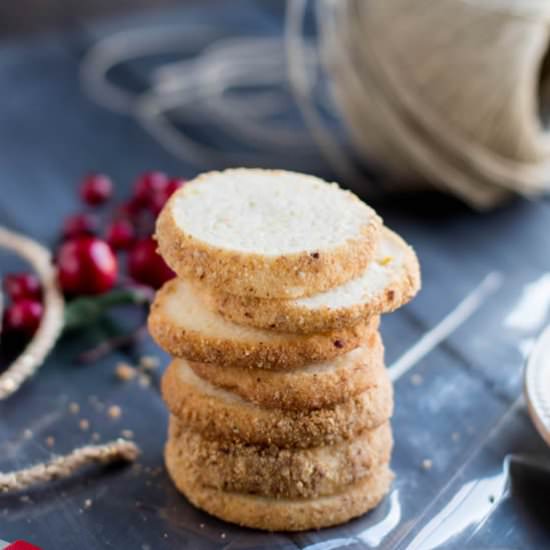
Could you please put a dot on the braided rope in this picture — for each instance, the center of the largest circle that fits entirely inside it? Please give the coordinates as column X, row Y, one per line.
column 62, row 467
column 52, row 321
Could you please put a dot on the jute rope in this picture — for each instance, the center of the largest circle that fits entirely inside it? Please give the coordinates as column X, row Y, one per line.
column 52, row 320
column 32, row 358
column 447, row 93
column 63, row 467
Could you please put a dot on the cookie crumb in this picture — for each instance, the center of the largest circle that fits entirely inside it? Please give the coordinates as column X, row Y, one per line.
column 427, row 464
column 201, row 525
column 27, row 434
column 416, row 379
column 223, row 535
column 74, row 408
column 114, row 411
column 125, row 372
column 95, row 437
column 128, row 434
column 84, row 425
column 50, row 441
column 87, row 504
column 144, row 381
column 149, row 362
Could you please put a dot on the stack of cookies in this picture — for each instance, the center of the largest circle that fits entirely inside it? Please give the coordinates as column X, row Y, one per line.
column 279, row 397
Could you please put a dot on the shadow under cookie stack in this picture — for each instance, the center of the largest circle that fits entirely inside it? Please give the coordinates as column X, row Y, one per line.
column 279, row 398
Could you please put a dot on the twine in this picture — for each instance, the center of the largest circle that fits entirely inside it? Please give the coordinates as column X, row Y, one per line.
column 448, row 91
column 63, row 467
column 444, row 92
column 51, row 324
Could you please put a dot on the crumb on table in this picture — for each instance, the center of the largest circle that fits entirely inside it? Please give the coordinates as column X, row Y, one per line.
column 125, row 372
column 149, row 362
column 114, row 411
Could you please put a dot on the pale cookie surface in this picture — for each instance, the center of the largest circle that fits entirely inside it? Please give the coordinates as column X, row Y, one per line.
column 388, row 282
column 183, row 325
column 266, row 233
column 285, row 514
column 219, row 414
column 310, row 387
column 274, row 472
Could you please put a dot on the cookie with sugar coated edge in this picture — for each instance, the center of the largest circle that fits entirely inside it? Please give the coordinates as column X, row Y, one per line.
column 183, row 325
column 274, row 472
column 266, row 233
column 310, row 387
column 283, row 514
column 221, row 415
column 390, row 280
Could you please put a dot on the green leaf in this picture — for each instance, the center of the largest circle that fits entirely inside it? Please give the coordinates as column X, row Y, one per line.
column 85, row 311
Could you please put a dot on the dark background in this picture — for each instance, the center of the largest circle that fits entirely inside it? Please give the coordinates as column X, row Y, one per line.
column 461, row 410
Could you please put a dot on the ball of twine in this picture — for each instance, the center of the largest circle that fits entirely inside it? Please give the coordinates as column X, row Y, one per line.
column 449, row 91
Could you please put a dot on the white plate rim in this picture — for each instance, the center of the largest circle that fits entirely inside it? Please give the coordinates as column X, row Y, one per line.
column 537, row 393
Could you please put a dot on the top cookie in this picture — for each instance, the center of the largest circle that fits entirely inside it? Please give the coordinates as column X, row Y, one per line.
column 267, row 233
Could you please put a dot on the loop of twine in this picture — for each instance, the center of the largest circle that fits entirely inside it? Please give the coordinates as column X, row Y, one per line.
column 63, row 467
column 51, row 325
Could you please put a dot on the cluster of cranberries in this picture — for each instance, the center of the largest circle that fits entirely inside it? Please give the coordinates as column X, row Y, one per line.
column 22, row 317
column 88, row 257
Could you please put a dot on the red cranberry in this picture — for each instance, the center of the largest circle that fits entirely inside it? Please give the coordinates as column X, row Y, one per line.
column 156, row 204
column 146, row 266
column 22, row 285
column 120, row 234
column 157, row 201
column 96, row 189
column 129, row 209
column 86, row 265
column 23, row 317
column 173, row 185
column 148, row 186
column 78, row 225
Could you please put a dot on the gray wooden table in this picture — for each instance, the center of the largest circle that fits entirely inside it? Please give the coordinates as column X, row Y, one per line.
column 471, row 470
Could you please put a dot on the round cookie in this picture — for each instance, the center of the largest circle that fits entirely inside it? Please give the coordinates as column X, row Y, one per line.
column 389, row 281
column 221, row 415
column 274, row 472
column 284, row 514
column 266, row 233
column 184, row 326
column 313, row 386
